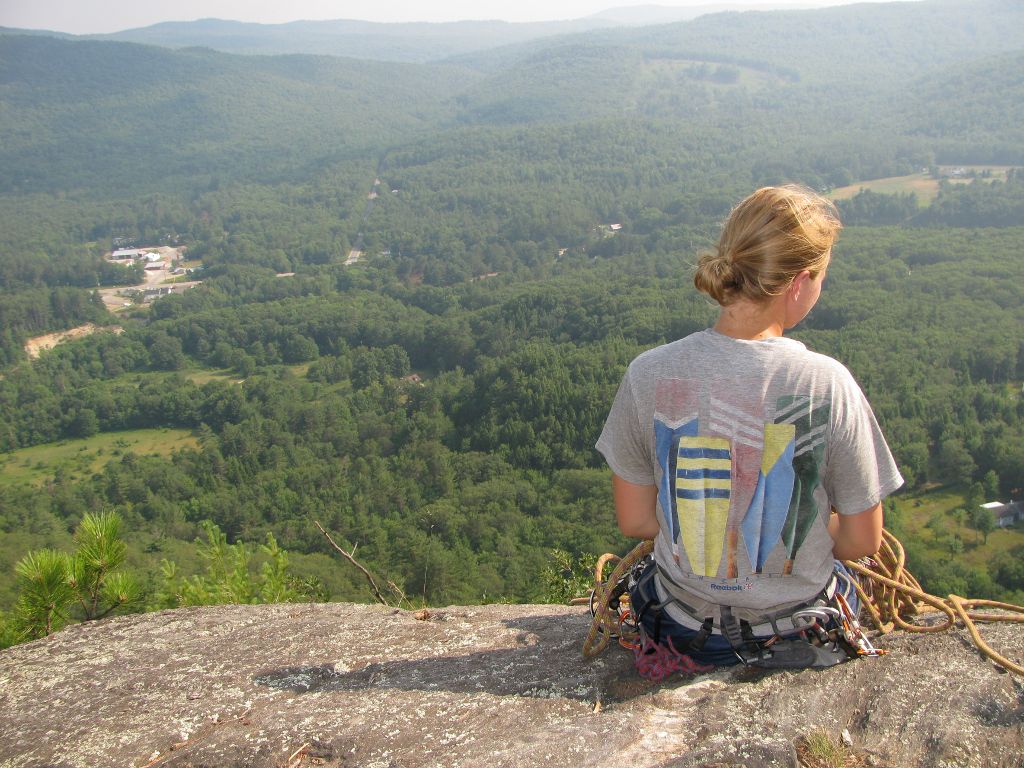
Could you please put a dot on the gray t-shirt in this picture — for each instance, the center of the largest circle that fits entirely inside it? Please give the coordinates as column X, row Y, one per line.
column 751, row 444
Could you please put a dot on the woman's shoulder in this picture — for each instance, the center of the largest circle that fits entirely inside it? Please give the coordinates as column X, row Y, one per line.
column 669, row 352
column 825, row 362
column 824, row 368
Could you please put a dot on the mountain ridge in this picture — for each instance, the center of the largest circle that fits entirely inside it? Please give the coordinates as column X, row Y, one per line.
column 719, row 24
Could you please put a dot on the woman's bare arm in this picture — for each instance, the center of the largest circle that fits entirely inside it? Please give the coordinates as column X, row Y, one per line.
column 857, row 535
column 636, row 508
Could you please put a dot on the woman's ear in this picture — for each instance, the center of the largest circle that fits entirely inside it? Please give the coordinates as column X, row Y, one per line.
column 799, row 283
column 800, row 296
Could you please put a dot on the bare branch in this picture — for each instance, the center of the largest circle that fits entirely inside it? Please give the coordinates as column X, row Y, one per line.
column 398, row 592
column 349, row 556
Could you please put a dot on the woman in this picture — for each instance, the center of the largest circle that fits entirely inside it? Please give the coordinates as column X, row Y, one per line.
column 732, row 447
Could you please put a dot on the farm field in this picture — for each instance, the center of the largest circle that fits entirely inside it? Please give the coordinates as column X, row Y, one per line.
column 923, row 184
column 83, row 457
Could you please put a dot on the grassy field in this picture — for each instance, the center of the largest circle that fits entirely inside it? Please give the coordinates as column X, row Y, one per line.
column 202, row 376
column 84, row 457
column 918, row 508
column 921, row 184
column 205, row 376
column 925, row 186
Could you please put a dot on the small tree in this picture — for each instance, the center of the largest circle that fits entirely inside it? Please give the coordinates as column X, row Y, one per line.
column 51, row 583
column 975, row 496
column 893, row 516
column 565, row 578
column 984, row 522
column 991, row 485
column 955, row 545
column 45, row 595
column 959, row 515
column 230, row 579
column 99, row 553
column 936, row 524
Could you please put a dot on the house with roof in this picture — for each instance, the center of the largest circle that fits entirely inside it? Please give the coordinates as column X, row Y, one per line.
column 1006, row 513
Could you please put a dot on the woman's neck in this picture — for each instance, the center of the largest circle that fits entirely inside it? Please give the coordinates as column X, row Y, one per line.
column 752, row 320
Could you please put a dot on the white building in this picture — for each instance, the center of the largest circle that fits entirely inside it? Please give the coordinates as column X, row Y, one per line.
column 127, row 254
column 1006, row 514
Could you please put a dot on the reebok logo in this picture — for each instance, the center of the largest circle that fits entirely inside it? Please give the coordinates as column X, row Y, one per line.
column 731, row 587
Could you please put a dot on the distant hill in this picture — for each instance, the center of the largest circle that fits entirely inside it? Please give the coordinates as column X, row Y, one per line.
column 865, row 46
column 407, row 42
column 38, row 32
column 115, row 114
column 898, row 40
column 852, row 79
column 646, row 15
column 412, row 42
column 985, row 104
column 875, row 59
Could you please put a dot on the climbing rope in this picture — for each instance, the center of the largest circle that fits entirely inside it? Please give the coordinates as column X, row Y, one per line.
column 891, row 596
column 656, row 661
column 888, row 592
column 610, row 622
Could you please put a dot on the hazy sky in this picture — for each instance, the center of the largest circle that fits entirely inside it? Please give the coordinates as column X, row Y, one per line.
column 94, row 16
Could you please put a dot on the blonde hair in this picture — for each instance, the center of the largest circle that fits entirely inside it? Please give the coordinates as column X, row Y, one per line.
column 769, row 238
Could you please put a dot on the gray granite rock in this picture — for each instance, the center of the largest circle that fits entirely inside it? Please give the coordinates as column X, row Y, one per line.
column 499, row 685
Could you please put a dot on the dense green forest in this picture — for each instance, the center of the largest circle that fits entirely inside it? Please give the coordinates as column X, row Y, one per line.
column 526, row 219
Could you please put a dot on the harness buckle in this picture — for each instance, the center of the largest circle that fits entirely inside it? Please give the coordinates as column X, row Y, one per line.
column 820, row 613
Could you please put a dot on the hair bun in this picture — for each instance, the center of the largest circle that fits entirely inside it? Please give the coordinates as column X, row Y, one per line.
column 716, row 275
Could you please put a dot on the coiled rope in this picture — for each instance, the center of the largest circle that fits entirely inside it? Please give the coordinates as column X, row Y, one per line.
column 608, row 622
column 888, row 592
column 891, row 595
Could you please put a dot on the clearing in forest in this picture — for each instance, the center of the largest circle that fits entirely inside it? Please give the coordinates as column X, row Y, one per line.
column 923, row 184
column 83, row 457
column 37, row 344
column 919, row 507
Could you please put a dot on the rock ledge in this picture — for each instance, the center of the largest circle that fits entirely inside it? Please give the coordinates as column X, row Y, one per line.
column 499, row 685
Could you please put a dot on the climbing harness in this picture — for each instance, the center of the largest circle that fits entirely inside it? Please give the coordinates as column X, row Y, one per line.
column 613, row 619
column 823, row 633
column 810, row 634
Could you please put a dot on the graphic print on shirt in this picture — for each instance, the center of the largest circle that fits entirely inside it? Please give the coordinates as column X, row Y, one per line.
column 703, row 479
column 676, row 409
column 811, row 422
column 783, row 505
column 726, row 473
column 766, row 515
column 742, row 423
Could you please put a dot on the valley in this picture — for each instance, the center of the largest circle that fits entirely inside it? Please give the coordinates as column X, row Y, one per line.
column 422, row 281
